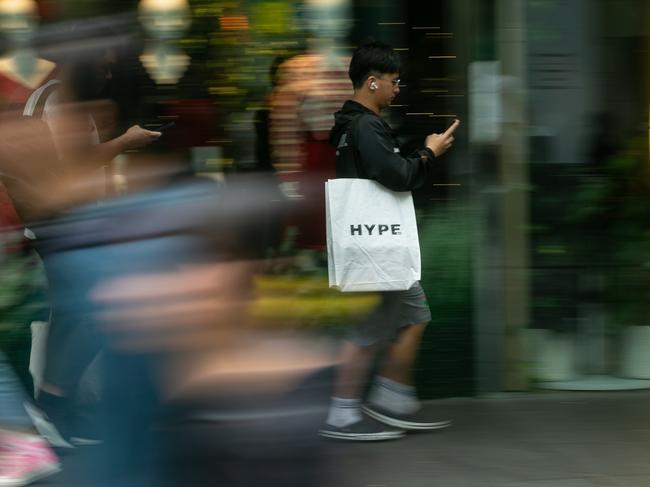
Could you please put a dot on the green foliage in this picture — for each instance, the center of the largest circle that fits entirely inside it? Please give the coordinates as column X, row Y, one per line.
column 22, row 300
column 611, row 208
column 446, row 248
column 446, row 363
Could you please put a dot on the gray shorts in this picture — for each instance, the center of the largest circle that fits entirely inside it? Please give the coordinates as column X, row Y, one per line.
column 396, row 310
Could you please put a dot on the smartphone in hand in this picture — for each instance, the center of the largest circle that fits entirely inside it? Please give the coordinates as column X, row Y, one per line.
column 165, row 126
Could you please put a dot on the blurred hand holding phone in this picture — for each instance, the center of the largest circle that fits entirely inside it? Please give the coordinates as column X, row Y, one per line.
column 166, row 126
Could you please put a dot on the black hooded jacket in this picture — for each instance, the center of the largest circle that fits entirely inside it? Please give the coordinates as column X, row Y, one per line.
column 367, row 148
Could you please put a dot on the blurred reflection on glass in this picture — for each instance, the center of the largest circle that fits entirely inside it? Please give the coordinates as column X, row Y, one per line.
column 21, row 68
column 165, row 22
column 311, row 87
column 165, row 87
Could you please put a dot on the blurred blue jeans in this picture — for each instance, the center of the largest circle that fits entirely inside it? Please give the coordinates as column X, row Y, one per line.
column 12, row 397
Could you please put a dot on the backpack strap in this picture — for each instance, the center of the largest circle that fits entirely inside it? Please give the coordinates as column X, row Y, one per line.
column 354, row 148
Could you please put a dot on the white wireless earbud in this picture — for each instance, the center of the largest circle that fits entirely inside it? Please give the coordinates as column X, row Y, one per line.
column 373, row 85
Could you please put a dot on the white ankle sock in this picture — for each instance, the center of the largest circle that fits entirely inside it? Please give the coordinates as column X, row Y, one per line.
column 393, row 396
column 344, row 412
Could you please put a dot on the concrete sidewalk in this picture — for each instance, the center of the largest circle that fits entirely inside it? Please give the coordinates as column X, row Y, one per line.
column 546, row 439
column 532, row 440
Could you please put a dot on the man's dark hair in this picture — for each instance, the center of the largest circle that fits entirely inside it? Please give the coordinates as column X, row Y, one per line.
column 372, row 57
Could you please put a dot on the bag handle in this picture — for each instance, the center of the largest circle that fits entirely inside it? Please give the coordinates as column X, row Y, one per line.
column 39, row 108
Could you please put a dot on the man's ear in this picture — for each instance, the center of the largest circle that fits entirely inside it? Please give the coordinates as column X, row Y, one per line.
column 372, row 83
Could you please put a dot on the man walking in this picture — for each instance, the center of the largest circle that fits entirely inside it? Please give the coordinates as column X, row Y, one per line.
column 367, row 148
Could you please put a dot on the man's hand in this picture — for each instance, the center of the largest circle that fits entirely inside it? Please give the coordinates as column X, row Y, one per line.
column 439, row 143
column 137, row 137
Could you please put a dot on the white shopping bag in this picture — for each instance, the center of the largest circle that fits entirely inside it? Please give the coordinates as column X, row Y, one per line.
column 372, row 237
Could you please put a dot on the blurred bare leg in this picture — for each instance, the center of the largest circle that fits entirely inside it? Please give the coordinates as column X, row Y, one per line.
column 353, row 370
column 402, row 354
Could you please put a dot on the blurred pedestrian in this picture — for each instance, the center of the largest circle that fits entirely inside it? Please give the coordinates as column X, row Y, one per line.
column 70, row 106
